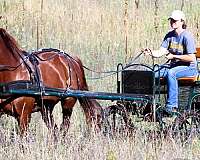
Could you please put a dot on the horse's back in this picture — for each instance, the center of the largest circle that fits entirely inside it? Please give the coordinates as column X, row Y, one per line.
column 59, row 70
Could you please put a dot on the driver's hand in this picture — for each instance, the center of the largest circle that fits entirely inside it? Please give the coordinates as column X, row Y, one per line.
column 169, row 56
column 146, row 51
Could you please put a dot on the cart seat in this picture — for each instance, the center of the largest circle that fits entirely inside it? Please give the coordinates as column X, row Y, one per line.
column 182, row 81
column 188, row 80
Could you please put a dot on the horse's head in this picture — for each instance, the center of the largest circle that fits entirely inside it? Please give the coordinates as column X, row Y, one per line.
column 9, row 49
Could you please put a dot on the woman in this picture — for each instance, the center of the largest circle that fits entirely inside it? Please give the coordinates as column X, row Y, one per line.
column 179, row 47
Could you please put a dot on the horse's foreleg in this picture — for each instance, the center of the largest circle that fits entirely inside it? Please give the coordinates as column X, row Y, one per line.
column 67, row 108
column 66, row 120
column 47, row 116
column 21, row 109
column 23, row 121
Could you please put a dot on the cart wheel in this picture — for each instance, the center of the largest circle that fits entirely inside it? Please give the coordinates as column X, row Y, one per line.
column 116, row 120
column 185, row 125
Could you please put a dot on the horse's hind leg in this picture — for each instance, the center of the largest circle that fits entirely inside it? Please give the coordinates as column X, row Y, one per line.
column 67, row 108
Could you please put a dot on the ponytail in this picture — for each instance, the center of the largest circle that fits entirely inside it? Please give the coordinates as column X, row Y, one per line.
column 184, row 26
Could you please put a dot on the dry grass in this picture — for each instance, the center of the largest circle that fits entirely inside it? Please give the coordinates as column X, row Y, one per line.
column 81, row 146
column 96, row 31
column 103, row 34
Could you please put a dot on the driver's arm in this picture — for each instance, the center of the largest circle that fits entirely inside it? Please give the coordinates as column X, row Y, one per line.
column 186, row 58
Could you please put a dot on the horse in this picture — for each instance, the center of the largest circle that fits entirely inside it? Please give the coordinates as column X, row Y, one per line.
column 50, row 68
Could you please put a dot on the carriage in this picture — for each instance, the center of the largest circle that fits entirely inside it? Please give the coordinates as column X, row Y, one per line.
column 139, row 79
column 33, row 81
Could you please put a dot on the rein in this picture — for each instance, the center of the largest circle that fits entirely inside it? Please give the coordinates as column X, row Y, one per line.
column 9, row 68
column 67, row 55
column 35, row 55
column 109, row 73
column 114, row 72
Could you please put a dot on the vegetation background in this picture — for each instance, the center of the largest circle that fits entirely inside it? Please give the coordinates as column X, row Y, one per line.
column 102, row 33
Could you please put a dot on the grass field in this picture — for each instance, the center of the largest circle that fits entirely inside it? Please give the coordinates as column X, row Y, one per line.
column 102, row 33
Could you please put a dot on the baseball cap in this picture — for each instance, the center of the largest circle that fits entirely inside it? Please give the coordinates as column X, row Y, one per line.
column 177, row 15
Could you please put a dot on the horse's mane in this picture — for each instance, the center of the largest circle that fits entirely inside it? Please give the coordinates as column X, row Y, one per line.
column 10, row 43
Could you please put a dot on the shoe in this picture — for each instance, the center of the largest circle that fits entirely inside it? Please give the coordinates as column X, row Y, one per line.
column 170, row 112
column 169, row 116
column 167, row 113
column 175, row 111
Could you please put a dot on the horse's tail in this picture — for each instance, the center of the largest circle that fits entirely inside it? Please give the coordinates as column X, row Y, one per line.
column 83, row 84
column 93, row 112
column 91, row 107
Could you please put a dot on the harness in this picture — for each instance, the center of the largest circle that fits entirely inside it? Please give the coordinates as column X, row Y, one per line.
column 31, row 62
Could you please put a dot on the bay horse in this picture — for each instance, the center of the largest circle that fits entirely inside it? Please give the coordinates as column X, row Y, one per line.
column 50, row 68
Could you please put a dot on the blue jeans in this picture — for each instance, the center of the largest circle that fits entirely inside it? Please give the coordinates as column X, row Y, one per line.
column 171, row 75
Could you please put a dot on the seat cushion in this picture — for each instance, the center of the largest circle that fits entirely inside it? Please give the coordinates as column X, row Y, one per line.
column 182, row 81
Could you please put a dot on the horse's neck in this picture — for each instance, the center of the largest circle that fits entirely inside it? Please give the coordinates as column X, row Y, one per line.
column 12, row 68
column 6, row 58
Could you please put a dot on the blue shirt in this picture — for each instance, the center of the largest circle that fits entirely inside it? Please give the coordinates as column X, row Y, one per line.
column 179, row 45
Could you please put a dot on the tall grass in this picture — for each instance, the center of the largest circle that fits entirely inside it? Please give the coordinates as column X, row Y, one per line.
column 103, row 34
column 79, row 146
